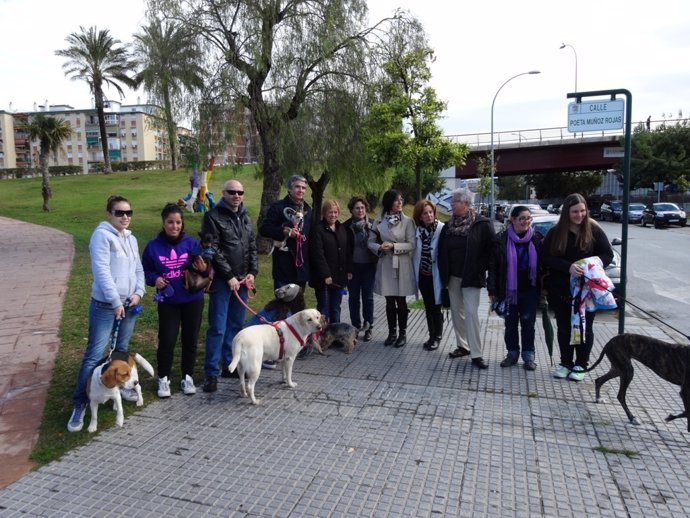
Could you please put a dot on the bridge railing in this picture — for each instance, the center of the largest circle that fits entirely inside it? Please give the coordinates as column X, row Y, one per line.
column 532, row 137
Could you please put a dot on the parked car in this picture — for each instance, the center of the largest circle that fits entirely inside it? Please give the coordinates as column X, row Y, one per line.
column 611, row 210
column 635, row 212
column 664, row 214
column 542, row 223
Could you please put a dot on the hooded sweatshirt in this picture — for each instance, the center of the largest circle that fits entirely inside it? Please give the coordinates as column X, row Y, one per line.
column 115, row 264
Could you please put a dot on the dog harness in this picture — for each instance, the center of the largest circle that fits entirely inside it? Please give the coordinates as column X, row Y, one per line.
column 281, row 336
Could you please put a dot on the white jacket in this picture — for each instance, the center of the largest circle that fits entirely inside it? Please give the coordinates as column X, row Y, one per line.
column 116, row 265
column 417, row 259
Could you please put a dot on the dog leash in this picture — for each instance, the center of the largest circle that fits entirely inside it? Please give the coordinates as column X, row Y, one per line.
column 116, row 331
column 251, row 294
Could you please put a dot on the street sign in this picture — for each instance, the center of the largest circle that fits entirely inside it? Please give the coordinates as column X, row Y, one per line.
column 596, row 115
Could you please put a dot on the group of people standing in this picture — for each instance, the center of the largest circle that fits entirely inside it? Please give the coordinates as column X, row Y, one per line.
column 393, row 255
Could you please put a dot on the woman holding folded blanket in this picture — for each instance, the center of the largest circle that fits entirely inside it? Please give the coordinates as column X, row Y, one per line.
column 575, row 236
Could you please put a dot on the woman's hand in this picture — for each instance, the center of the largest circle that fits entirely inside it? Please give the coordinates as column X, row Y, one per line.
column 387, row 246
column 328, row 281
column 161, row 283
column 576, row 270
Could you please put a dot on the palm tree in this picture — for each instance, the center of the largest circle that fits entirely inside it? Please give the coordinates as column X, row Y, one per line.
column 50, row 133
column 170, row 57
column 95, row 57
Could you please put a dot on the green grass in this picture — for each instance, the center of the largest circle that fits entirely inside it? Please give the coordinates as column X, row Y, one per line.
column 617, row 451
column 78, row 205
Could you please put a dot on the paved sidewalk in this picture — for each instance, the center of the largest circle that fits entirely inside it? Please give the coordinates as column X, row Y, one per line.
column 35, row 263
column 384, row 432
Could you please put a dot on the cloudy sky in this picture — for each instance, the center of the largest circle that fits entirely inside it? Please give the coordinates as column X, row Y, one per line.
column 479, row 45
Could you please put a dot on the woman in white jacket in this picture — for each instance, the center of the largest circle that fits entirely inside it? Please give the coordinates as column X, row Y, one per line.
column 118, row 285
column 392, row 239
column 425, row 262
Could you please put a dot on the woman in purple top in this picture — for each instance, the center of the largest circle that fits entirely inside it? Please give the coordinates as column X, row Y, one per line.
column 178, row 308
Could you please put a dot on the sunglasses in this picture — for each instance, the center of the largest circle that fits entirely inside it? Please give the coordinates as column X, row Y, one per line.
column 121, row 213
column 231, row 192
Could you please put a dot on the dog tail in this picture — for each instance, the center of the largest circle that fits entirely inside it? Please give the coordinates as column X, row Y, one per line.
column 603, row 353
column 236, row 354
column 144, row 364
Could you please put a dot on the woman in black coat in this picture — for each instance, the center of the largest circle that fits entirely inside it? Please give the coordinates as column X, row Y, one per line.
column 330, row 261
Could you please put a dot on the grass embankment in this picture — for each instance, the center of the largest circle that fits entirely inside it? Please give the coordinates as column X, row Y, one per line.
column 78, row 205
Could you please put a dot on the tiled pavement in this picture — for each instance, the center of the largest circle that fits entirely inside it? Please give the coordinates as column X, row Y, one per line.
column 384, row 432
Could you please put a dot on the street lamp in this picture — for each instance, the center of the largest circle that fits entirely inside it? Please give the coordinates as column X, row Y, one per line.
column 493, row 163
column 564, row 45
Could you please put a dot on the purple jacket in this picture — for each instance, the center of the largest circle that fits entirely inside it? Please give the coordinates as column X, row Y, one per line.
column 163, row 258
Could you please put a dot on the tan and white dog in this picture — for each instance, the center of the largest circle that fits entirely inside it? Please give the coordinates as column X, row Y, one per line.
column 107, row 380
column 281, row 340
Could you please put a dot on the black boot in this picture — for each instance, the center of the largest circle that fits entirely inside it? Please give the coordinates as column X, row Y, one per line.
column 438, row 331
column 392, row 334
column 402, row 324
column 432, row 332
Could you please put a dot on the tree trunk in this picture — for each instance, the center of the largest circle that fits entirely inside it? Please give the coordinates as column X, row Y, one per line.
column 172, row 129
column 318, row 189
column 100, row 110
column 46, row 192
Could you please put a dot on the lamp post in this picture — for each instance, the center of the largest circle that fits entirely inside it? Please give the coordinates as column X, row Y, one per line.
column 564, row 45
column 493, row 163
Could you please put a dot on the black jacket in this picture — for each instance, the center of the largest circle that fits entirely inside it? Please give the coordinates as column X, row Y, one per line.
column 233, row 236
column 557, row 281
column 293, row 265
column 330, row 254
column 498, row 264
column 479, row 246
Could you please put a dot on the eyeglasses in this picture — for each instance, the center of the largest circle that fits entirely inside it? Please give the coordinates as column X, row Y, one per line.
column 121, row 213
column 522, row 219
column 232, row 192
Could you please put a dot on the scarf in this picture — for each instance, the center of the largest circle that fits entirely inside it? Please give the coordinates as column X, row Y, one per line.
column 511, row 253
column 460, row 225
column 426, row 233
column 393, row 218
column 361, row 227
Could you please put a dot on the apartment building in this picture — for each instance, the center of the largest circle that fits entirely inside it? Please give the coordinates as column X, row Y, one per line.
column 134, row 133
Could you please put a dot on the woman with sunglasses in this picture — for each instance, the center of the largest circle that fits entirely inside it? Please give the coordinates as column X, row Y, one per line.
column 514, row 278
column 118, row 285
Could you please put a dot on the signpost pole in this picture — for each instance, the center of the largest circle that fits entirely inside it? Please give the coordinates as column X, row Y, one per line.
column 578, row 96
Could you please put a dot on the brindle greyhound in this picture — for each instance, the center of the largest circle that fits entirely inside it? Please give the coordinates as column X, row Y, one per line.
column 669, row 361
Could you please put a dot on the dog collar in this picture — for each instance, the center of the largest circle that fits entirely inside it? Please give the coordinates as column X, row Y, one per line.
column 281, row 336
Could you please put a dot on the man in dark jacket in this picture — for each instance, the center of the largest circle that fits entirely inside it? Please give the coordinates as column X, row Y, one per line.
column 235, row 264
column 290, row 235
column 465, row 247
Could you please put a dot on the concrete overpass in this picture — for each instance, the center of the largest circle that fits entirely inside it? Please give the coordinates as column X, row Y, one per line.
column 543, row 150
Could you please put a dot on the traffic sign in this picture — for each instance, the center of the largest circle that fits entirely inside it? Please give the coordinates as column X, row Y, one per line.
column 596, row 115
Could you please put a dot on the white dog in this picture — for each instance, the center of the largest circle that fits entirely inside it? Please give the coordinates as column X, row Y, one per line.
column 107, row 380
column 296, row 219
column 281, row 340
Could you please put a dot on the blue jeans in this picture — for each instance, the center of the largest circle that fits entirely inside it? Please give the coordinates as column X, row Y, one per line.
column 101, row 326
column 361, row 287
column 328, row 300
column 225, row 319
column 524, row 314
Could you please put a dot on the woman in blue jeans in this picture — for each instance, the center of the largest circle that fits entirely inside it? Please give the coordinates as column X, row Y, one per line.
column 361, row 284
column 514, row 276
column 118, row 285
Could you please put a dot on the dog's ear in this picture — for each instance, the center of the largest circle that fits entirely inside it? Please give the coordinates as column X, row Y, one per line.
column 109, row 377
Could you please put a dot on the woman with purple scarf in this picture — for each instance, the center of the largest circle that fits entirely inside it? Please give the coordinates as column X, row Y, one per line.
column 514, row 274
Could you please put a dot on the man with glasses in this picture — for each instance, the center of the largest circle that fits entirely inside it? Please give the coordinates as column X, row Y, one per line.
column 289, row 221
column 235, row 265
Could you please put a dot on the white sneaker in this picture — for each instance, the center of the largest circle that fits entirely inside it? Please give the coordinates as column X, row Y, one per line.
column 270, row 365
column 163, row 387
column 187, row 385
column 561, row 372
column 577, row 374
column 129, row 394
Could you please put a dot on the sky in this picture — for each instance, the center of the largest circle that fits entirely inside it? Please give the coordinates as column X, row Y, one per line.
column 641, row 47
